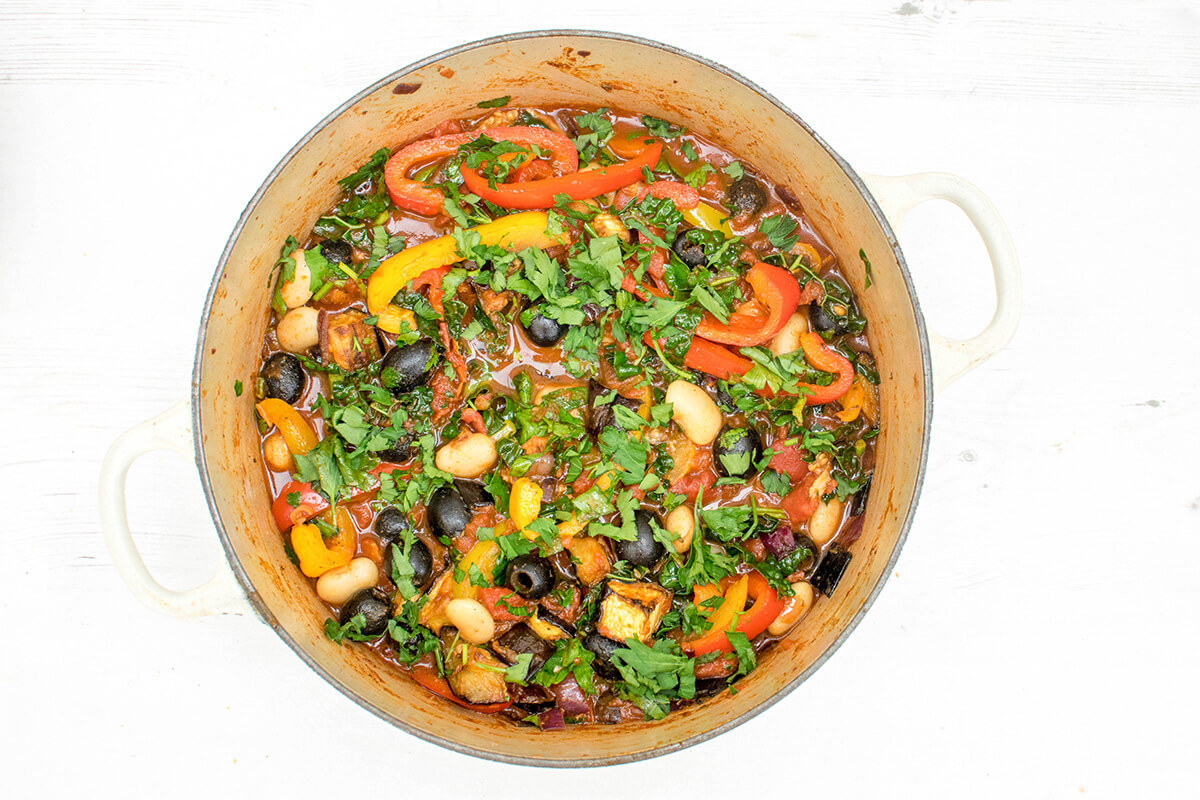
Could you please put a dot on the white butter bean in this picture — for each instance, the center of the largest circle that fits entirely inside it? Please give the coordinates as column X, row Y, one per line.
column 682, row 522
column 694, row 411
column 794, row 609
column 298, row 290
column 788, row 338
column 297, row 331
column 823, row 524
column 467, row 456
column 275, row 451
column 341, row 583
column 473, row 621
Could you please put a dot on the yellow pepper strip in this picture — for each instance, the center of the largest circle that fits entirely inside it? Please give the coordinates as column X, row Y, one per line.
column 852, row 402
column 814, row 258
column 514, row 232
column 735, row 603
column 570, row 528
column 483, row 555
column 708, row 217
column 524, row 502
column 316, row 558
column 296, row 431
column 394, row 318
column 703, row 592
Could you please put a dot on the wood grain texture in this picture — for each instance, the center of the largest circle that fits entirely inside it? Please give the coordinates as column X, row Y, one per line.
column 1038, row 638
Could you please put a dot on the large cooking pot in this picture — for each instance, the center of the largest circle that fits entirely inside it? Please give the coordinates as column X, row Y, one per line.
column 553, row 68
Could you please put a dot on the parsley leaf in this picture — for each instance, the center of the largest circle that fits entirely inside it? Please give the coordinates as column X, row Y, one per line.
column 352, row 630
column 600, row 130
column 661, row 128
column 780, row 231
column 744, row 651
column 867, row 264
column 495, row 102
column 371, row 170
column 570, row 658
column 653, row 676
column 776, row 482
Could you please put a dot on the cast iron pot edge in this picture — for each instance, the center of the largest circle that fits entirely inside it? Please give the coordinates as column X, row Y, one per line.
column 269, row 618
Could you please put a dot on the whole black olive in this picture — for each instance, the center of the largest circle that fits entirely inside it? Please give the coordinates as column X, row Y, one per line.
column 746, row 196
column 645, row 550
column 859, row 504
column 339, row 252
column 530, row 576
column 474, row 494
column 689, row 252
column 736, row 451
column 725, row 400
column 421, row 561
column 397, row 454
column 374, row 608
column 406, row 367
column 391, row 525
column 823, row 321
column 284, row 377
column 545, row 332
column 448, row 515
column 601, row 414
column 603, row 648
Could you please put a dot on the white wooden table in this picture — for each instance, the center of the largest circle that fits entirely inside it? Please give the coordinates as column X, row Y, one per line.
column 1039, row 637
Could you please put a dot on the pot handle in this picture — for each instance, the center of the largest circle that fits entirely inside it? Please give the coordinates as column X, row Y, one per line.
column 897, row 195
column 170, row 430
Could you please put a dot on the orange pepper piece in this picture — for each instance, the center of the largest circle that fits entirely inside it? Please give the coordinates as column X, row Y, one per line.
column 315, row 557
column 297, row 432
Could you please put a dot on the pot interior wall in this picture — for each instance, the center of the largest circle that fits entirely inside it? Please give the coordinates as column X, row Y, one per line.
column 547, row 70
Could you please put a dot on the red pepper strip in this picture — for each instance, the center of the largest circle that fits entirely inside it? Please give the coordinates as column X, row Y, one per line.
column 774, row 288
column 536, row 170
column 704, row 355
column 826, row 359
column 578, row 185
column 681, row 194
column 433, row 279
column 413, row 195
column 752, row 622
column 715, row 360
column 640, row 290
column 310, row 504
column 426, row 674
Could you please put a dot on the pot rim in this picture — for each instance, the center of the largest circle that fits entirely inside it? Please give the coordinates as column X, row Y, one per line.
column 269, row 618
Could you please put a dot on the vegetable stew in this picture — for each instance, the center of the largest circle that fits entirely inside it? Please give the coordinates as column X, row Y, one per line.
column 567, row 412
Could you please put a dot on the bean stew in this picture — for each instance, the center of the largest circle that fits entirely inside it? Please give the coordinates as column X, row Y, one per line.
column 568, row 413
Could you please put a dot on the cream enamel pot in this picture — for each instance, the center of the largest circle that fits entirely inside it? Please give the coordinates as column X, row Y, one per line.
column 553, row 68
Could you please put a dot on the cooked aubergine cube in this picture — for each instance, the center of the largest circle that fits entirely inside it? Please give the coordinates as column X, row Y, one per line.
column 830, row 570
column 550, row 627
column 592, row 557
column 632, row 610
column 476, row 675
column 518, row 641
column 347, row 340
